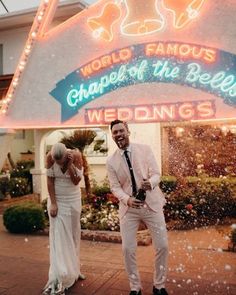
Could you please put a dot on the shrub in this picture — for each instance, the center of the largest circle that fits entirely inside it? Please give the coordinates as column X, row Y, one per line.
column 24, row 218
column 168, row 184
column 101, row 190
column 101, row 195
column 202, row 201
column 22, row 170
column 104, row 218
column 4, row 187
column 45, row 210
column 24, row 165
column 19, row 187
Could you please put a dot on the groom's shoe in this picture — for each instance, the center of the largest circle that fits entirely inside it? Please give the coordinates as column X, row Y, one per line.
column 135, row 292
column 161, row 291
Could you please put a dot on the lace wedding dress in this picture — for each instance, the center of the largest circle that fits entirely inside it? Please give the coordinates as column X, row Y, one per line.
column 64, row 234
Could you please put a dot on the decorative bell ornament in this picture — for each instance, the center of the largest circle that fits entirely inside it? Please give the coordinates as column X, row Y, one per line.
column 184, row 10
column 142, row 18
column 102, row 24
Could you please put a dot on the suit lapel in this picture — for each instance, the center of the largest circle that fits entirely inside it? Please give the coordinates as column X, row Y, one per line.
column 134, row 157
column 122, row 164
column 137, row 161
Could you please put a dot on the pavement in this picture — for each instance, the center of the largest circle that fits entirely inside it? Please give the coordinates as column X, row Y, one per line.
column 199, row 264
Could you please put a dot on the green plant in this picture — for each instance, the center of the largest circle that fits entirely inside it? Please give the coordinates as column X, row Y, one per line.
column 4, row 187
column 2, row 196
column 200, row 150
column 19, row 186
column 22, row 170
column 201, row 201
column 45, row 210
column 100, row 212
column 168, row 183
column 27, row 217
column 103, row 218
column 25, row 164
column 101, row 195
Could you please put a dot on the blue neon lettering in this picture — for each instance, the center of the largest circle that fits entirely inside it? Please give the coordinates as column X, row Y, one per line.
column 163, row 70
column 226, row 83
column 72, row 97
column 194, row 73
column 232, row 91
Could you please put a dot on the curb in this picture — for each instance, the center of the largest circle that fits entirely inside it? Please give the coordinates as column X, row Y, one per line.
column 143, row 236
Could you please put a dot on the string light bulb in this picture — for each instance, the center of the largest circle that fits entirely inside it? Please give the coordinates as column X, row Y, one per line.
column 38, row 22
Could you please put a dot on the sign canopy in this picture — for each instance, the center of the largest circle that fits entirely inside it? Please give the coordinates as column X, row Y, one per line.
column 141, row 61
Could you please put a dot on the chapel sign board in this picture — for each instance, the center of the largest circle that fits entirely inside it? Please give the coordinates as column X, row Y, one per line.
column 142, row 61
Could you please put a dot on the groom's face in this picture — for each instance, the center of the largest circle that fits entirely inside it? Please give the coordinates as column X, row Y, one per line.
column 120, row 135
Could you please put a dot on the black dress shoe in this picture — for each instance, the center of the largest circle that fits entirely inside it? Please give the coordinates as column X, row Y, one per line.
column 135, row 292
column 161, row 291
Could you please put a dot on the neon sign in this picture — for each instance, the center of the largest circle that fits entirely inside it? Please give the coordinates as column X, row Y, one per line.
column 142, row 17
column 102, row 24
column 141, row 64
column 183, row 11
column 183, row 51
column 117, row 57
column 180, row 111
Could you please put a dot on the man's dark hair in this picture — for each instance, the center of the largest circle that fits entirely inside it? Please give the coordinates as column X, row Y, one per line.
column 117, row 121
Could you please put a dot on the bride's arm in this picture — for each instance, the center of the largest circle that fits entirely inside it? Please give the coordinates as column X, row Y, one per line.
column 75, row 165
column 51, row 185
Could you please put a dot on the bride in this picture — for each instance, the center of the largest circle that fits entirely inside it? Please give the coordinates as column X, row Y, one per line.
column 64, row 172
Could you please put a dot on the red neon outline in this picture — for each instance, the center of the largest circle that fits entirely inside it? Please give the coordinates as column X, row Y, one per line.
column 184, row 17
column 161, row 21
column 105, row 32
column 205, row 57
column 102, row 68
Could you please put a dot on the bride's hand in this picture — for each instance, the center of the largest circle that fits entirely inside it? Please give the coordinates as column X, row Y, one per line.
column 53, row 210
column 70, row 158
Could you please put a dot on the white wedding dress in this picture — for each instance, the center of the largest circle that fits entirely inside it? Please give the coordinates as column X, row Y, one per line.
column 65, row 232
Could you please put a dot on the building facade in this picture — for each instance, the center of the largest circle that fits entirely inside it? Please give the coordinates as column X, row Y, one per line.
column 168, row 68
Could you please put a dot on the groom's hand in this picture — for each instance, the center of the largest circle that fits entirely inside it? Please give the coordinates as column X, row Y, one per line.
column 146, row 185
column 134, row 203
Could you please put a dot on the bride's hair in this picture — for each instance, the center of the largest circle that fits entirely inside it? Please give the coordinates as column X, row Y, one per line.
column 58, row 151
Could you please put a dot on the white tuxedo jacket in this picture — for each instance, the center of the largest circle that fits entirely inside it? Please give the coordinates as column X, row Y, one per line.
column 144, row 167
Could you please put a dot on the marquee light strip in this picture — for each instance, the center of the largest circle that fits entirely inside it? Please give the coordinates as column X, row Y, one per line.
column 38, row 27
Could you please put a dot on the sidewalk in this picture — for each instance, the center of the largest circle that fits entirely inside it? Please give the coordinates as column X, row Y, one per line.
column 198, row 265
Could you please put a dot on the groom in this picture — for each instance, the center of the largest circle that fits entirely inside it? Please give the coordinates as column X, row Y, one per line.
column 134, row 177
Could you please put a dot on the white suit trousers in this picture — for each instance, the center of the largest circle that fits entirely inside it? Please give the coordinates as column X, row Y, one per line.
column 155, row 222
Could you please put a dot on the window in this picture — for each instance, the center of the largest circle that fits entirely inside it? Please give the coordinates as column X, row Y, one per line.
column 98, row 148
column 5, row 82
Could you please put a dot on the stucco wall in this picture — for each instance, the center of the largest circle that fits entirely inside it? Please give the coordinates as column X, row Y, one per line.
column 13, row 42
